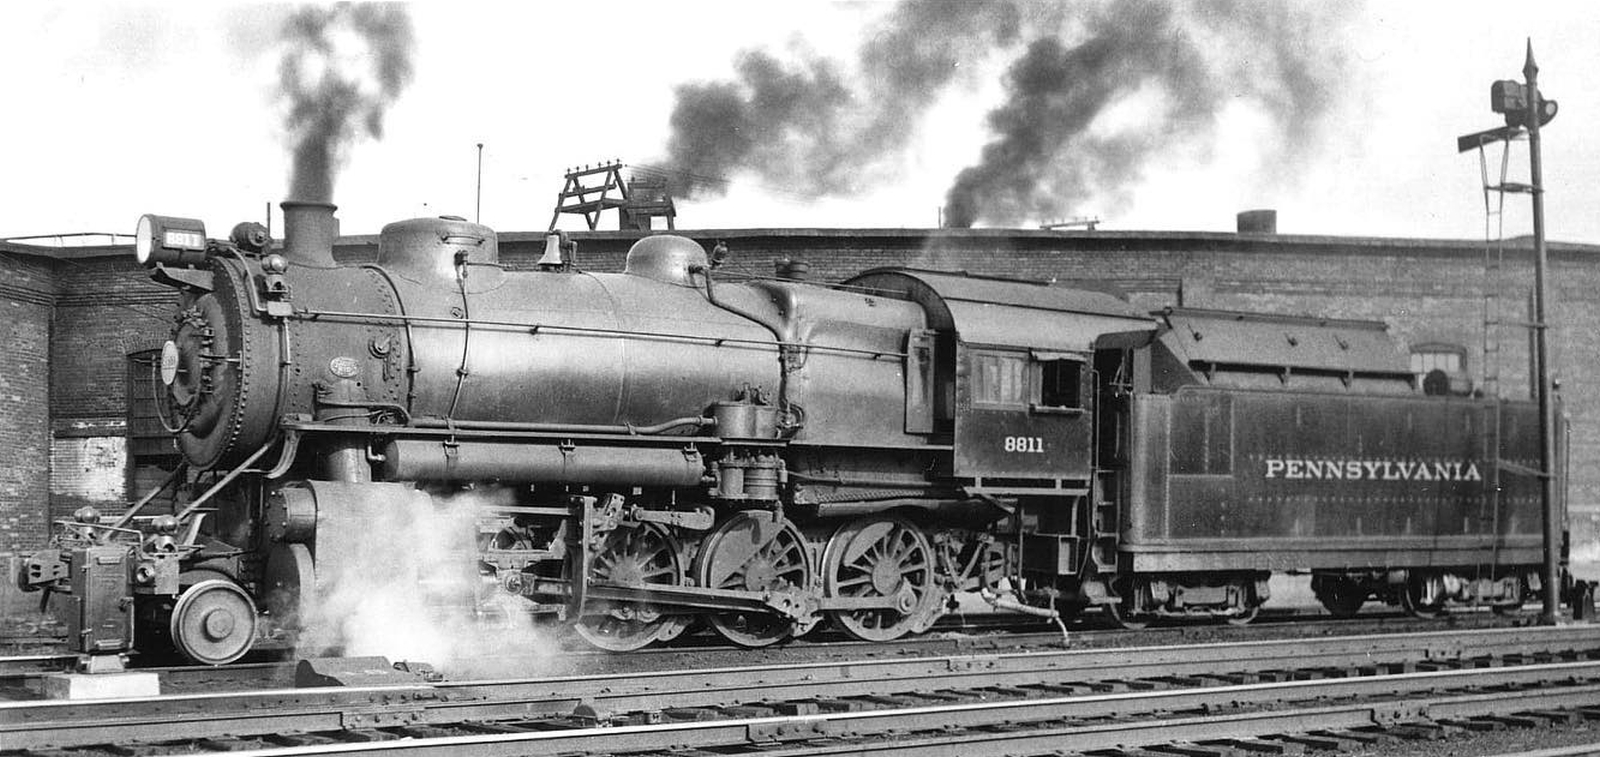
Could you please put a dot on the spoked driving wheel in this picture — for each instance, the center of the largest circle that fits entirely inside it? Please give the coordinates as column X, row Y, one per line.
column 638, row 556
column 881, row 556
column 753, row 551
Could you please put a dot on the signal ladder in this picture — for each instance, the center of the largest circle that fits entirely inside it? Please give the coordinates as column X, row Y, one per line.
column 1494, row 249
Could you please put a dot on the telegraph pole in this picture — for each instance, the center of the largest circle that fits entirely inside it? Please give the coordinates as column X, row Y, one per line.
column 477, row 209
column 1541, row 330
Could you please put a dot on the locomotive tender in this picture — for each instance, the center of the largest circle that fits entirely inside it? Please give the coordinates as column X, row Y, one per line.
column 763, row 454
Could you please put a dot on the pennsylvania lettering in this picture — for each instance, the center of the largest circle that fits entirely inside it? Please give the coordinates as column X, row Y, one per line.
column 1372, row 470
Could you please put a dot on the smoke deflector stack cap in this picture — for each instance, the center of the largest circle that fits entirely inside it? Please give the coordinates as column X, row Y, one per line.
column 309, row 231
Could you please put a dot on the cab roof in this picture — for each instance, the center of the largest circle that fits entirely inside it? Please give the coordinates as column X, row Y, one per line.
column 991, row 311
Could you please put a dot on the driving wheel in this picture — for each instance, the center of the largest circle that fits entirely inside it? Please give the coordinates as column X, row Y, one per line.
column 881, row 556
column 754, row 551
column 634, row 556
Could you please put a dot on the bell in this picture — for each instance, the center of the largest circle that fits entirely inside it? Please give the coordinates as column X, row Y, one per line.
column 552, row 251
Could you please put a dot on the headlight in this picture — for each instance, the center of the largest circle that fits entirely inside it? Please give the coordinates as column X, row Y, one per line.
column 169, row 241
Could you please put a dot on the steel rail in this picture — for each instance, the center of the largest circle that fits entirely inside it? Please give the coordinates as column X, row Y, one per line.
column 32, row 665
column 65, row 723
column 1580, row 750
column 946, row 729
column 949, row 636
column 734, row 685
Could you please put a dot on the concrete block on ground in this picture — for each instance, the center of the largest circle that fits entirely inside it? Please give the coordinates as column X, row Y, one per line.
column 101, row 685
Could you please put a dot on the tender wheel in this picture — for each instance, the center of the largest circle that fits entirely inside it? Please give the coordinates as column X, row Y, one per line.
column 214, row 622
column 1126, row 619
column 881, row 557
column 1341, row 597
column 642, row 555
column 1123, row 612
column 1413, row 599
column 1247, row 617
column 1513, row 606
column 752, row 552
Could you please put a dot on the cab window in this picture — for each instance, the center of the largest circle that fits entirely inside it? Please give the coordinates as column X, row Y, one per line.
column 1060, row 383
column 1000, row 379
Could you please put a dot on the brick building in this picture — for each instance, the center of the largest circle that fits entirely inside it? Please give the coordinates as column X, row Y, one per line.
column 75, row 426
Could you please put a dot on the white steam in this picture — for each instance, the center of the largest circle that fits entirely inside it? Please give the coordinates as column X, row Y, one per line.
column 405, row 585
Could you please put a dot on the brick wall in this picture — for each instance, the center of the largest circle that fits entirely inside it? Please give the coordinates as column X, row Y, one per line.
column 27, row 289
column 107, row 308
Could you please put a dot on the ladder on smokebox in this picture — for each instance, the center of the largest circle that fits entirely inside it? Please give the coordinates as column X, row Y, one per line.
column 1494, row 252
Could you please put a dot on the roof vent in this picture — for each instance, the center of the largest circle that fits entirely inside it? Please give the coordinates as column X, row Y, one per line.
column 1263, row 221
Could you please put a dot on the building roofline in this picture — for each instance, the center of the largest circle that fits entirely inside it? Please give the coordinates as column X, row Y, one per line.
column 1207, row 239
column 1111, row 240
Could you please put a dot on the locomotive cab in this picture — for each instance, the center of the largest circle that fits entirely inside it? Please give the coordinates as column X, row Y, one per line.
column 1022, row 399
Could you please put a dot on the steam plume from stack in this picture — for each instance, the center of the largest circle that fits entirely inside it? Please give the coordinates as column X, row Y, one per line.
column 806, row 125
column 342, row 67
column 1046, row 152
column 811, row 126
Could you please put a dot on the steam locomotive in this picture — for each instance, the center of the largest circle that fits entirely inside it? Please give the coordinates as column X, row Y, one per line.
column 684, row 446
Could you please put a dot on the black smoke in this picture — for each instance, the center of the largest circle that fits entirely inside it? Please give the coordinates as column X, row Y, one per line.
column 817, row 129
column 342, row 67
column 1046, row 156
column 813, row 126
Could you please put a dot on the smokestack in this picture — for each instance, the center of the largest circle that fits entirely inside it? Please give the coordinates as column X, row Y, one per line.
column 309, row 231
column 343, row 65
column 1260, row 221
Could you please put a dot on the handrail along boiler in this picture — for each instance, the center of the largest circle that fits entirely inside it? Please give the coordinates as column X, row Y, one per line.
column 766, row 454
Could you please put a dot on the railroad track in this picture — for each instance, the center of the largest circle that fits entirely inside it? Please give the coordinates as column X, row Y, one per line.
column 1279, row 716
column 1260, row 718
column 826, row 700
column 946, row 639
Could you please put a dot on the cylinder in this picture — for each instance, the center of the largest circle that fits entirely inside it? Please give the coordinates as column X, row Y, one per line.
column 291, row 515
column 309, row 231
column 544, row 462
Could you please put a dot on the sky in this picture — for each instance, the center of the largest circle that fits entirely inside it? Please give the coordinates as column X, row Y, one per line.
column 116, row 110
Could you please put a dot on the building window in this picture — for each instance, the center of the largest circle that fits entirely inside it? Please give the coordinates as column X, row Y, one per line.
column 1450, row 358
